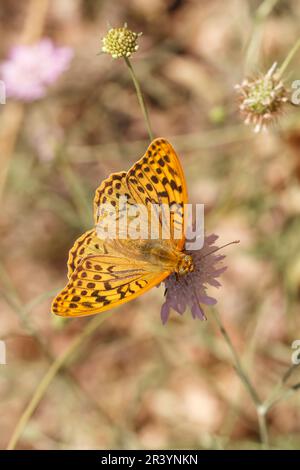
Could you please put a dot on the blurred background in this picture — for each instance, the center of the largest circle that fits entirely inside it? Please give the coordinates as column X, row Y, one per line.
column 135, row 383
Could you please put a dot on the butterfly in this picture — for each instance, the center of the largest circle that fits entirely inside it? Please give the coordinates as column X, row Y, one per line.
column 107, row 271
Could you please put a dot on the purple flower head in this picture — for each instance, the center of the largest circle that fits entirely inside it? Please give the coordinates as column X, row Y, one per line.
column 30, row 69
column 189, row 290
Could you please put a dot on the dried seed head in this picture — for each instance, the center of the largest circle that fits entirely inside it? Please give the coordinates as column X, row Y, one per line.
column 120, row 42
column 262, row 99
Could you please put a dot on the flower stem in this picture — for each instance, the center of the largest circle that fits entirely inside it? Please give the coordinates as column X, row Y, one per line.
column 140, row 97
column 263, row 427
column 50, row 374
column 261, row 410
column 288, row 58
column 253, row 49
column 238, row 366
column 279, row 392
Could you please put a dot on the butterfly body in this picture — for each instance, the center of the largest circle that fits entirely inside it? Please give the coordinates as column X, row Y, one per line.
column 167, row 257
column 105, row 272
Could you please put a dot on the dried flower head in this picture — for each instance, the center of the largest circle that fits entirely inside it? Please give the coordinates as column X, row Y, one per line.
column 120, row 42
column 262, row 99
column 190, row 290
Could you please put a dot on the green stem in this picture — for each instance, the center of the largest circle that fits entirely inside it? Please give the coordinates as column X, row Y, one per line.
column 237, row 363
column 263, row 427
column 289, row 57
column 260, row 409
column 279, row 393
column 253, row 49
column 49, row 376
column 140, row 97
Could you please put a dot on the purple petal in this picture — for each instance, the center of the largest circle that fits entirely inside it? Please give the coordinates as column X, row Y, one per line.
column 211, row 239
column 164, row 313
column 197, row 311
column 190, row 290
column 213, row 282
column 207, row 300
column 220, row 271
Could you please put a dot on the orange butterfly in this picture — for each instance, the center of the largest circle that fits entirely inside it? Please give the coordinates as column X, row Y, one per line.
column 105, row 272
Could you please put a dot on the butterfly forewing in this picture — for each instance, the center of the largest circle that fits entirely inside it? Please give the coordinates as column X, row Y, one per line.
column 157, row 179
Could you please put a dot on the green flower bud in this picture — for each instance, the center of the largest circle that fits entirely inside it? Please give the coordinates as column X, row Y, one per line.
column 120, row 42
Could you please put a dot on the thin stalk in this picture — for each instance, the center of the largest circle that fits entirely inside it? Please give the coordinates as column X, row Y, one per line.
column 288, row 58
column 42, row 387
column 140, row 97
column 263, row 427
column 259, row 406
column 253, row 49
column 237, row 363
column 279, row 392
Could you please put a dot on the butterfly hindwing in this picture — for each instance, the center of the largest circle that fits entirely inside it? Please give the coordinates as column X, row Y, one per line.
column 102, row 282
column 79, row 250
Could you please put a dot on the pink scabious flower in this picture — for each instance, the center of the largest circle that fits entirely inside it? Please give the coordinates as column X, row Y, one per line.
column 189, row 290
column 30, row 69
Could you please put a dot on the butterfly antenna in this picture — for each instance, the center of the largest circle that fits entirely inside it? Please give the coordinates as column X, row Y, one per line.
column 220, row 248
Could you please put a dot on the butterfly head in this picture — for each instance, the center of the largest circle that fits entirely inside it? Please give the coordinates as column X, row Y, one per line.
column 185, row 265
